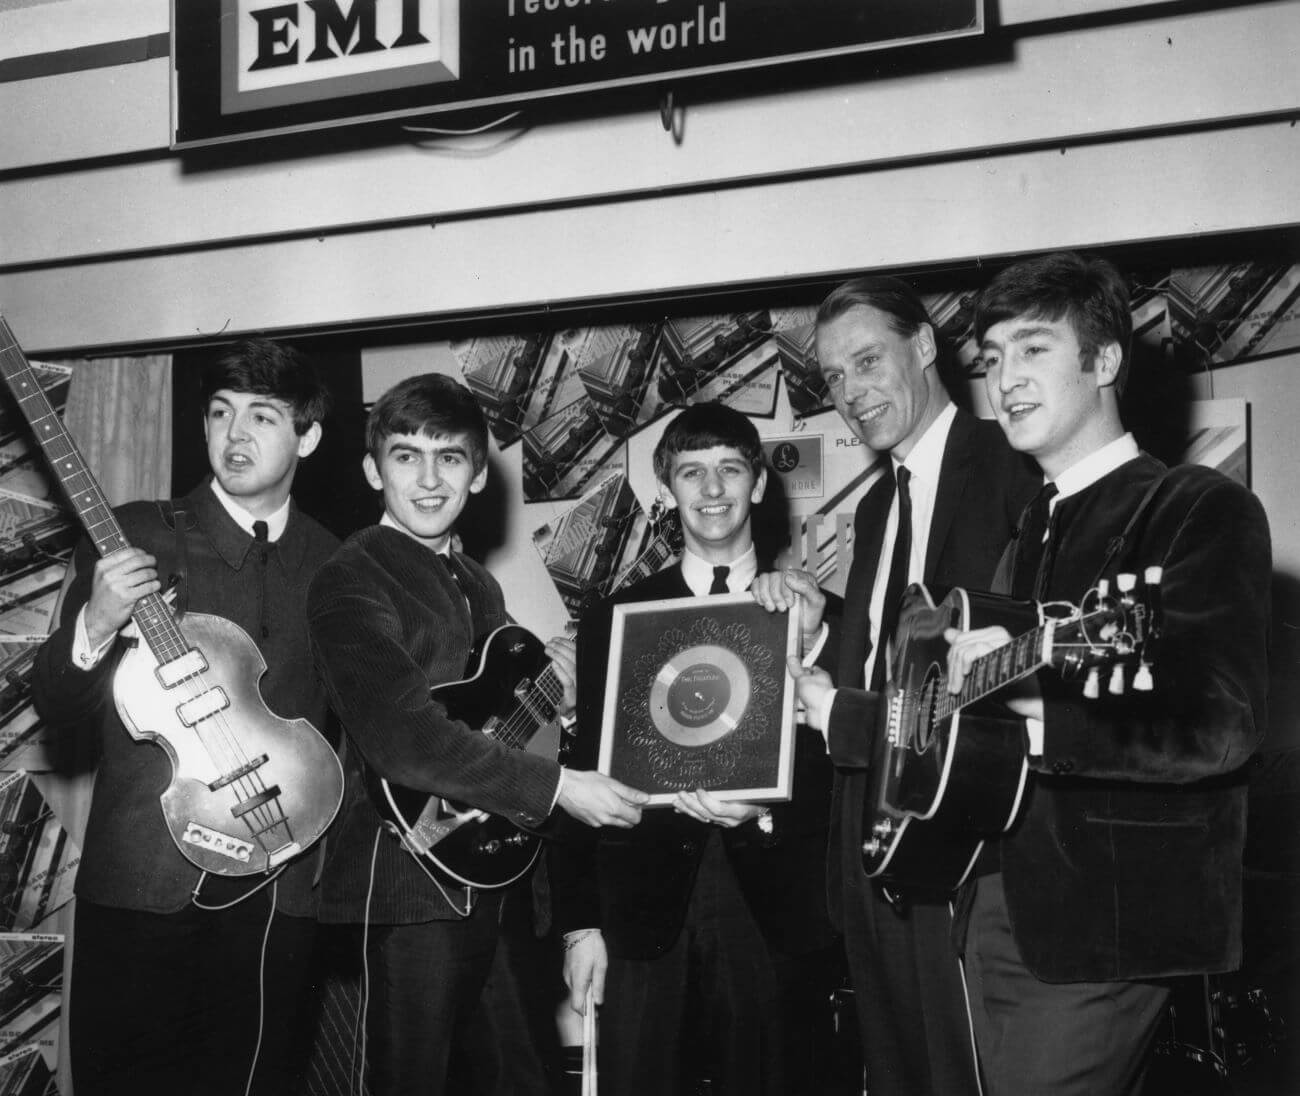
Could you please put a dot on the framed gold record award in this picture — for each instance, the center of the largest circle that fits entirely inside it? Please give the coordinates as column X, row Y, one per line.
column 697, row 696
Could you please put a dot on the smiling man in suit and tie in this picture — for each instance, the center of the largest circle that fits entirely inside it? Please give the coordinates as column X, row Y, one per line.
column 942, row 512
column 709, row 918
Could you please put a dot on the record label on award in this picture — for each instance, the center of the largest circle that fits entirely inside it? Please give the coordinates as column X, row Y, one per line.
column 700, row 695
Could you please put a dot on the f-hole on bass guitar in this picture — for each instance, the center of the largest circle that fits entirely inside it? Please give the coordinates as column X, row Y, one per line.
column 249, row 790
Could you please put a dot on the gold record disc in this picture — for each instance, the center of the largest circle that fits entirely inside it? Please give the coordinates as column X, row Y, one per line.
column 700, row 695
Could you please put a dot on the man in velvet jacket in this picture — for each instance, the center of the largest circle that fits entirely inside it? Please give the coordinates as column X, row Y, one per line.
column 1125, row 867
column 394, row 612
column 710, row 918
column 877, row 351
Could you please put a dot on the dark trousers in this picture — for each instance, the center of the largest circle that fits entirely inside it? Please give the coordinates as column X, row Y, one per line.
column 168, row 1003
column 424, row 993
column 907, row 988
column 711, row 1002
column 1052, row 1039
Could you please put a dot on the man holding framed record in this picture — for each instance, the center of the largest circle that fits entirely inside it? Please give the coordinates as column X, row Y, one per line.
column 701, row 933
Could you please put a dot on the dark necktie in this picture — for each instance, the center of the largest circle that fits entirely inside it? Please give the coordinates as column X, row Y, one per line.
column 720, row 580
column 260, row 544
column 1029, row 578
column 897, row 580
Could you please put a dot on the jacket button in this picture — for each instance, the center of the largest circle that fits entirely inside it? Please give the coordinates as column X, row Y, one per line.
column 1062, row 766
column 688, row 847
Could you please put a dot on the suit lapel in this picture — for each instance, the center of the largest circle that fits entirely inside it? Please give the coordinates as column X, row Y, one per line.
column 954, row 472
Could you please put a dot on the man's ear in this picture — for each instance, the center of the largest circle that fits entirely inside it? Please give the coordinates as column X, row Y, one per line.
column 479, row 481
column 307, row 442
column 371, row 470
column 1108, row 361
column 760, row 486
column 925, row 345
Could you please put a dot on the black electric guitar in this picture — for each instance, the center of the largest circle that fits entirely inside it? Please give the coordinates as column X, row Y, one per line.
column 511, row 693
column 249, row 790
column 947, row 773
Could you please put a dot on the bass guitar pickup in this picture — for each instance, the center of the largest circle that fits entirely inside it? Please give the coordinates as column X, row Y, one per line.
column 238, row 774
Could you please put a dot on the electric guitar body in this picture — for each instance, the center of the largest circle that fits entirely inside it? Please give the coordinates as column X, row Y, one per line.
column 510, row 693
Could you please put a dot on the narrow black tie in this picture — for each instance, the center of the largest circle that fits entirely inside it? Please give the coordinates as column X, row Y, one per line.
column 896, row 583
column 260, row 543
column 1033, row 567
column 720, row 580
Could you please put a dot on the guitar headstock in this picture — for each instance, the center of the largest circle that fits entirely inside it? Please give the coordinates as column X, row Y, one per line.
column 1117, row 627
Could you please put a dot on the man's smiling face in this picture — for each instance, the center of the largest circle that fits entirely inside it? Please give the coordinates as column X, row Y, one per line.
column 426, row 482
column 713, row 491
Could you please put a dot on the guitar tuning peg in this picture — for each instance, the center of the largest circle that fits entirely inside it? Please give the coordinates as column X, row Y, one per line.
column 1103, row 587
column 1116, row 686
column 1142, row 680
column 1092, row 684
column 1126, row 582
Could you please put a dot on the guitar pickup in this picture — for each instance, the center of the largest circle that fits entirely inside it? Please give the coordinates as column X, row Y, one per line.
column 171, row 674
column 203, row 706
column 238, row 774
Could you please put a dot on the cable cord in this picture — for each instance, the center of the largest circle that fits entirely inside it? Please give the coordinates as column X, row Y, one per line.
column 261, row 989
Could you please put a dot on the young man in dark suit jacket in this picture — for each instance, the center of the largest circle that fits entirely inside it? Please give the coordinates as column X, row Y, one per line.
column 705, row 923
column 394, row 612
column 171, row 976
column 1126, row 865
column 965, row 489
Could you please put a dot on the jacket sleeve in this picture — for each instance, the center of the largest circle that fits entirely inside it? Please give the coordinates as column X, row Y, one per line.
column 1207, row 710
column 571, row 855
column 63, row 693
column 382, row 696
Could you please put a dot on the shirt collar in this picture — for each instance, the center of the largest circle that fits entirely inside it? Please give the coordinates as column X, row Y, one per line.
column 926, row 456
column 698, row 572
column 1100, row 462
column 389, row 523
column 275, row 523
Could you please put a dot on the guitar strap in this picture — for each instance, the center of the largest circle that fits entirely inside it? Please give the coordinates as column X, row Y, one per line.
column 180, row 523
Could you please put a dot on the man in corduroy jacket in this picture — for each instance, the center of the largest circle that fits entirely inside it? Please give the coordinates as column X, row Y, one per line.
column 393, row 613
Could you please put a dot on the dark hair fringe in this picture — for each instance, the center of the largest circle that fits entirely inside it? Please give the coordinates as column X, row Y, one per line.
column 431, row 404
column 708, row 426
column 265, row 368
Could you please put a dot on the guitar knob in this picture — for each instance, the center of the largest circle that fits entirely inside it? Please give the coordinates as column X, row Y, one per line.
column 1142, row 680
column 1103, row 587
column 1116, row 687
column 871, row 848
column 1092, row 684
column 882, row 828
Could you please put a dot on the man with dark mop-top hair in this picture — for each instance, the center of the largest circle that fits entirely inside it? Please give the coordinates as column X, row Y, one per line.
column 702, row 933
column 395, row 612
column 1126, row 865
column 177, row 985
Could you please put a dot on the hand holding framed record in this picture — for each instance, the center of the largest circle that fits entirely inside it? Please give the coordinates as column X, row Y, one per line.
column 697, row 696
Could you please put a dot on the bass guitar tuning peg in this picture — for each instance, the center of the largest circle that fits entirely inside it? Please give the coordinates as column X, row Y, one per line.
column 1142, row 679
column 1126, row 582
column 1116, row 686
column 1092, row 684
